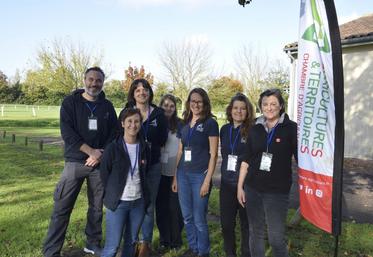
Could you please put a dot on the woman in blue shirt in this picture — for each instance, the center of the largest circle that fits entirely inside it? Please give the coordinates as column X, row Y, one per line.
column 240, row 114
column 196, row 160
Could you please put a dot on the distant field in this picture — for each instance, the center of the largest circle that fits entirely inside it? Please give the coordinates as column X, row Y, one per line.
column 27, row 112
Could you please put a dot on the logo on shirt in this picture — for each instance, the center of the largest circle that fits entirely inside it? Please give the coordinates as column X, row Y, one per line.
column 199, row 127
column 243, row 140
column 153, row 123
column 278, row 140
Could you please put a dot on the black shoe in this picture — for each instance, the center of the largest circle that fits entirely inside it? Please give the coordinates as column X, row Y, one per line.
column 93, row 249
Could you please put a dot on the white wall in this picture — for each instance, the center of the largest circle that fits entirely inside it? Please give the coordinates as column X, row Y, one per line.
column 358, row 91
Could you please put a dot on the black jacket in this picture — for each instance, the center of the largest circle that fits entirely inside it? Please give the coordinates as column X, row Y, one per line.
column 114, row 170
column 283, row 146
column 154, row 130
column 74, row 115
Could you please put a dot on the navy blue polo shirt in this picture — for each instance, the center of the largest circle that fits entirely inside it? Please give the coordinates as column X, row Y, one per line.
column 199, row 142
column 226, row 149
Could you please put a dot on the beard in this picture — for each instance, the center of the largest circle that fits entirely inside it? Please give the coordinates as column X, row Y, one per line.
column 94, row 92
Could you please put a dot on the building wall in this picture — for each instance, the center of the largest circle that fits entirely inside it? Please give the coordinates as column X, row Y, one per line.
column 358, row 91
column 358, row 82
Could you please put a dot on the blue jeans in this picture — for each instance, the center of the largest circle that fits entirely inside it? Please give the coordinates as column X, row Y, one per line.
column 194, row 210
column 153, row 177
column 128, row 216
column 270, row 209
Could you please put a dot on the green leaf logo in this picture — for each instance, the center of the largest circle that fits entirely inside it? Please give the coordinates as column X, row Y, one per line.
column 316, row 32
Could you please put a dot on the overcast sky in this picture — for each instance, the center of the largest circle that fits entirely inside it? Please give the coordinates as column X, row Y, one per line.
column 133, row 31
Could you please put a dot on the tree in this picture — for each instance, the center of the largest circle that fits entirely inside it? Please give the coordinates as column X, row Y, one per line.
column 160, row 90
column 133, row 73
column 277, row 77
column 9, row 93
column 221, row 91
column 187, row 65
column 60, row 69
column 115, row 93
column 252, row 64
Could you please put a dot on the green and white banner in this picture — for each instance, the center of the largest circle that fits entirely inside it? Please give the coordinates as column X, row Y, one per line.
column 315, row 115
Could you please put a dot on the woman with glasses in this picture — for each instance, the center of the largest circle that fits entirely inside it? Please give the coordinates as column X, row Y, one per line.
column 265, row 174
column 233, row 137
column 196, row 160
column 154, row 130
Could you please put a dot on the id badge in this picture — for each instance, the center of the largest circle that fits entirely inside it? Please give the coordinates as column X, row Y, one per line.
column 131, row 191
column 232, row 162
column 187, row 154
column 92, row 123
column 265, row 163
column 164, row 157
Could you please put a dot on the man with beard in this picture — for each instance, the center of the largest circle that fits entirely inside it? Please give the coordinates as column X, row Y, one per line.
column 88, row 123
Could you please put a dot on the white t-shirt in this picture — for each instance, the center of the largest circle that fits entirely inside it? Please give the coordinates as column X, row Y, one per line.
column 168, row 155
column 132, row 189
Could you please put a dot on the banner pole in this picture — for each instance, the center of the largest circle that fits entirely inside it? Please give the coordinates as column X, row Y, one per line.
column 336, row 246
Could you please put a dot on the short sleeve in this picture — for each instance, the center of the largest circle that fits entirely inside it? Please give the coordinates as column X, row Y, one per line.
column 212, row 128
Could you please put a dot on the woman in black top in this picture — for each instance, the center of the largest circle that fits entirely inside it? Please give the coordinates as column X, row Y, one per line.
column 266, row 173
column 123, row 170
column 233, row 135
column 154, row 130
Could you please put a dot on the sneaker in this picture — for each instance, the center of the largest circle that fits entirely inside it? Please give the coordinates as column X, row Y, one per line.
column 93, row 249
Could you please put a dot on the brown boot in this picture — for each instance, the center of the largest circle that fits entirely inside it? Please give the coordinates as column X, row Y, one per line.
column 144, row 250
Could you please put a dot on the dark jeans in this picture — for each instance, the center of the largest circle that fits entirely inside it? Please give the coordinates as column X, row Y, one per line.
column 229, row 207
column 270, row 209
column 153, row 177
column 128, row 218
column 168, row 214
column 65, row 195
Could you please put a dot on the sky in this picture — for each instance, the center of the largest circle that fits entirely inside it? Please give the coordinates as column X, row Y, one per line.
column 134, row 30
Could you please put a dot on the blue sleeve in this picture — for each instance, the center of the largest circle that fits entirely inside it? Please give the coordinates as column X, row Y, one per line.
column 212, row 128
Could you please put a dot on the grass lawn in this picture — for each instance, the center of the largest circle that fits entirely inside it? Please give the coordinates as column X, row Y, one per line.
column 27, row 180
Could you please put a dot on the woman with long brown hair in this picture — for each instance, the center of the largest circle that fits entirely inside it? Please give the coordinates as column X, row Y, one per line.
column 233, row 136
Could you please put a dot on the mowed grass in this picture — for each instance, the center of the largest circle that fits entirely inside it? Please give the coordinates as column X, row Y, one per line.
column 27, row 181
column 28, row 178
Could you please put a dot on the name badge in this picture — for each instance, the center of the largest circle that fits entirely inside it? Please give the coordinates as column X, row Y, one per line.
column 92, row 123
column 131, row 190
column 187, row 154
column 265, row 163
column 232, row 162
column 164, row 157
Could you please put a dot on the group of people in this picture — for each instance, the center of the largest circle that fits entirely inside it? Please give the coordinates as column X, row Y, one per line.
column 150, row 166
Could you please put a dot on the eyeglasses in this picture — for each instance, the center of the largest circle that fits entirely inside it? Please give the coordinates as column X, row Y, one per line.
column 196, row 102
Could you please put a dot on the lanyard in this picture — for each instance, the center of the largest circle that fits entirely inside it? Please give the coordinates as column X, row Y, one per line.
column 235, row 139
column 146, row 128
column 270, row 136
column 132, row 169
column 190, row 132
column 91, row 109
